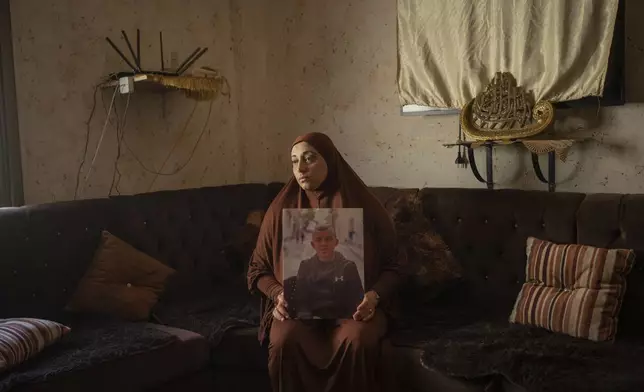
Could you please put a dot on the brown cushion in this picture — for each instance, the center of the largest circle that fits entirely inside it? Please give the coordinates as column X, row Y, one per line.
column 573, row 289
column 121, row 281
column 429, row 260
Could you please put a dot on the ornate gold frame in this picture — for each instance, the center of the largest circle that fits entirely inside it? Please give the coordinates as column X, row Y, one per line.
column 503, row 111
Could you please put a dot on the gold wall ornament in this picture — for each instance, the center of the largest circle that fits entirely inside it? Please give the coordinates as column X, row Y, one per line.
column 504, row 111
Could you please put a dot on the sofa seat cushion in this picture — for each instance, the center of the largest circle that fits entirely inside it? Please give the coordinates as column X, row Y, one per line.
column 413, row 377
column 111, row 356
column 417, row 336
column 536, row 359
column 240, row 348
column 424, row 321
column 229, row 307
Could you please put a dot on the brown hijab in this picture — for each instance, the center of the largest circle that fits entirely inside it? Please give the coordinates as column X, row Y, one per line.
column 341, row 189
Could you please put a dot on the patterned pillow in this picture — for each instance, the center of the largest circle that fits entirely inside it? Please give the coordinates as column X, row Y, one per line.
column 430, row 262
column 573, row 289
column 242, row 243
column 24, row 338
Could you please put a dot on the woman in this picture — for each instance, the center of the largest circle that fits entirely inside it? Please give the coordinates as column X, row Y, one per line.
column 318, row 355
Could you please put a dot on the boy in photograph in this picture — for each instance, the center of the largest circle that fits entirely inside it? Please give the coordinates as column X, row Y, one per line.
column 328, row 285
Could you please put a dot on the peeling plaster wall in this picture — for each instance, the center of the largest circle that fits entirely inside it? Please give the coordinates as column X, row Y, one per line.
column 61, row 54
column 294, row 66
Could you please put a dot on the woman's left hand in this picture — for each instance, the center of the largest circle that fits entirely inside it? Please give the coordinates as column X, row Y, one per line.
column 367, row 308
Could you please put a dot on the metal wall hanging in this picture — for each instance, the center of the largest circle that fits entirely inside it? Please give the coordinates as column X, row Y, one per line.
column 505, row 111
column 503, row 114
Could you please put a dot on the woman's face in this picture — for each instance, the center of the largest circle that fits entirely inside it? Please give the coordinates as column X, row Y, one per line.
column 309, row 168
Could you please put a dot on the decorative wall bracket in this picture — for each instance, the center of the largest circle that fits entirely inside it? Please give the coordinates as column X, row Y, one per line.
column 555, row 148
column 504, row 114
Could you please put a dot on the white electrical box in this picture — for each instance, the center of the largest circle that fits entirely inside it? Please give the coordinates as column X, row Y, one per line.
column 126, row 85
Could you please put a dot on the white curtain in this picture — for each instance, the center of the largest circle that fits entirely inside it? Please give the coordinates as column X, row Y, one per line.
column 448, row 50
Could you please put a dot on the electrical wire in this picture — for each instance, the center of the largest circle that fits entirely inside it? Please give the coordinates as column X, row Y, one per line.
column 180, row 167
column 87, row 132
column 175, row 144
column 121, row 140
column 120, row 133
column 100, row 140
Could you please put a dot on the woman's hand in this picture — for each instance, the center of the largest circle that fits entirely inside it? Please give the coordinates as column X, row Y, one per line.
column 367, row 308
column 280, row 313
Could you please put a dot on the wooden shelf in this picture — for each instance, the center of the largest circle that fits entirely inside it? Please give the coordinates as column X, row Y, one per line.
column 200, row 87
column 143, row 83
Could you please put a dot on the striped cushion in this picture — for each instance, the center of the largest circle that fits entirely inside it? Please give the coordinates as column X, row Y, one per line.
column 23, row 338
column 573, row 289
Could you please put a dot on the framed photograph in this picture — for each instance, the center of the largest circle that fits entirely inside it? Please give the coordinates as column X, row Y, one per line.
column 323, row 262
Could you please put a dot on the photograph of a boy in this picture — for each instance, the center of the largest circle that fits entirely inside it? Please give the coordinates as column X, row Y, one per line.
column 328, row 284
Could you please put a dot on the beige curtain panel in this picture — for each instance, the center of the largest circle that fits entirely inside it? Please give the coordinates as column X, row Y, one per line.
column 448, row 50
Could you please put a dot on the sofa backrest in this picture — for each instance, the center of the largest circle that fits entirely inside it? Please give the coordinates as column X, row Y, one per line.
column 190, row 230
column 617, row 221
column 487, row 232
column 44, row 251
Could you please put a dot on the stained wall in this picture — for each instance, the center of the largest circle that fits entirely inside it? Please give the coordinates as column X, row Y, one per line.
column 61, row 54
column 294, row 66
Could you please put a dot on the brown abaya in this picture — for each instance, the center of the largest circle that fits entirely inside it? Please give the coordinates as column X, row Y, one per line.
column 342, row 355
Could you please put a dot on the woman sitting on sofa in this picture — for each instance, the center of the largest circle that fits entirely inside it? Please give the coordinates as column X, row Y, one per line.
column 325, row 355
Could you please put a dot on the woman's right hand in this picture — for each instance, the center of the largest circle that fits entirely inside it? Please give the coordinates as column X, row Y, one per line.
column 280, row 313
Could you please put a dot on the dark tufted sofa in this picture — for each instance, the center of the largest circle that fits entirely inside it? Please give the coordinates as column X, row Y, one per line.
column 44, row 250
